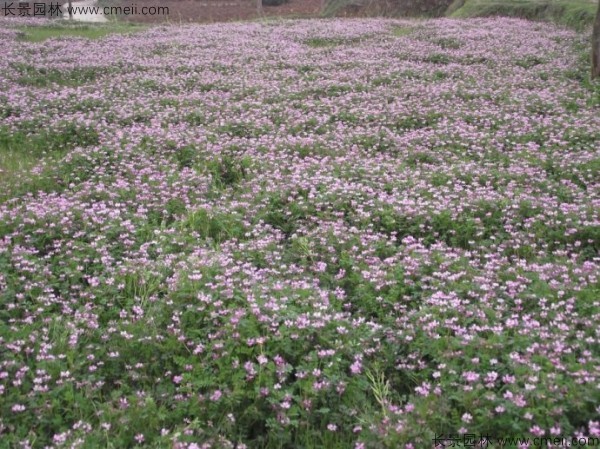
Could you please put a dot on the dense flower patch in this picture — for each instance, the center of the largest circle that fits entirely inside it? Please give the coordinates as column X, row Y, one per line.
column 299, row 235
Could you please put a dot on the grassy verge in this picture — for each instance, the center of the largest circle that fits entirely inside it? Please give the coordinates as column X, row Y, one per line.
column 577, row 14
column 574, row 13
column 88, row 31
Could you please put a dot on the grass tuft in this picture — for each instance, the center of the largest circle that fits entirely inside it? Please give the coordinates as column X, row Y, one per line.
column 87, row 31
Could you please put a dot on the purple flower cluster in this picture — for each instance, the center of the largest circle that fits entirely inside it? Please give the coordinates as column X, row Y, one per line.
column 318, row 233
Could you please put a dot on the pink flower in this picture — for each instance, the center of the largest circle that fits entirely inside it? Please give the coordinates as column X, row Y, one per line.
column 423, row 389
column 471, row 376
column 537, row 431
column 356, row 367
column 491, row 377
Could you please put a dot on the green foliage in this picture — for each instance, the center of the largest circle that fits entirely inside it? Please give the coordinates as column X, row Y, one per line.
column 448, row 43
column 438, row 58
column 215, row 226
column 400, row 31
column 243, row 130
column 228, row 170
column 285, row 214
column 30, row 75
column 529, row 61
column 186, row 156
column 63, row 137
column 22, row 150
column 574, row 13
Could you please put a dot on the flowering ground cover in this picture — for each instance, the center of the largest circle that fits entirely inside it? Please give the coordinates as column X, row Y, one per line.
column 304, row 234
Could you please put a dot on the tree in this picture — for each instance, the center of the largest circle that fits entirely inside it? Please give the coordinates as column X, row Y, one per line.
column 596, row 45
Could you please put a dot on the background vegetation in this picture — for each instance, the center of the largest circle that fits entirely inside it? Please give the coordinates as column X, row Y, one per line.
column 574, row 13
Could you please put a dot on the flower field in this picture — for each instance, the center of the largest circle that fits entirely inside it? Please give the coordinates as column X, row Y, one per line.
column 299, row 234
